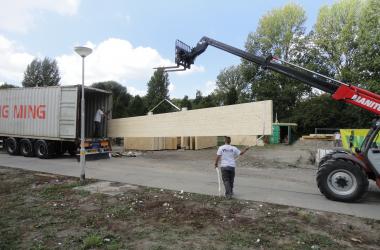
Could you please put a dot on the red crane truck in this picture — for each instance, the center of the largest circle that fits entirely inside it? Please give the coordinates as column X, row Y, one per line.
column 342, row 175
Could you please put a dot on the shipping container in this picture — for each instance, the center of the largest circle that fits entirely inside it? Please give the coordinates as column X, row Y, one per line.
column 49, row 117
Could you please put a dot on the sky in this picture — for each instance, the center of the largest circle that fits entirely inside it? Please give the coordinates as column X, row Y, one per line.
column 129, row 38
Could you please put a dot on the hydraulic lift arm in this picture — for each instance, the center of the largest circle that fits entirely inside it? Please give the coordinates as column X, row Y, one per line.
column 185, row 57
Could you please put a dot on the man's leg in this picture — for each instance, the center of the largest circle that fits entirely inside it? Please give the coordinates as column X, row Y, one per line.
column 232, row 178
column 96, row 132
column 226, row 180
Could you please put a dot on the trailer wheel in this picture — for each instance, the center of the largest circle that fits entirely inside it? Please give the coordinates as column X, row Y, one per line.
column 61, row 148
column 342, row 180
column 12, row 146
column 26, row 148
column 72, row 149
column 44, row 149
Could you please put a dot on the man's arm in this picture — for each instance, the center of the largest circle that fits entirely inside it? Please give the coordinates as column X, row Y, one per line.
column 217, row 161
column 245, row 150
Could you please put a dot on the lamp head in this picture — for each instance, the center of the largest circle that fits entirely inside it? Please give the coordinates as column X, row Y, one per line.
column 83, row 51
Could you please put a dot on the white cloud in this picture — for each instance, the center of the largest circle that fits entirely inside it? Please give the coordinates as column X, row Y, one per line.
column 113, row 59
column 20, row 15
column 171, row 88
column 193, row 69
column 133, row 91
column 209, row 87
column 13, row 61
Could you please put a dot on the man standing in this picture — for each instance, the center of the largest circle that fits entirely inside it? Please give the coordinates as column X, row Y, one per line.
column 98, row 121
column 227, row 154
column 337, row 139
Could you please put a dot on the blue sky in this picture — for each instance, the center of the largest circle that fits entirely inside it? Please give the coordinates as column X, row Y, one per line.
column 129, row 37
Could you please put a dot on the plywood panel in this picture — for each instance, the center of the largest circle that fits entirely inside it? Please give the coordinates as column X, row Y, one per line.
column 245, row 140
column 205, row 142
column 150, row 143
column 253, row 118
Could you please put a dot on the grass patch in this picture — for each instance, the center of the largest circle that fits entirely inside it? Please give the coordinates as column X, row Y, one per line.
column 92, row 240
column 57, row 191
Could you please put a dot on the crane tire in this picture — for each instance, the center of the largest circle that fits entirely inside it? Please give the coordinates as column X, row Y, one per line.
column 342, row 180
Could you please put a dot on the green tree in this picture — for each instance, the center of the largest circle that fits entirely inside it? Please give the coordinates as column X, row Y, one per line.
column 368, row 56
column 231, row 97
column 120, row 97
column 231, row 87
column 336, row 37
column 324, row 112
column 41, row 73
column 49, row 72
column 137, row 107
column 281, row 32
column 158, row 91
column 186, row 103
column 7, row 86
column 201, row 101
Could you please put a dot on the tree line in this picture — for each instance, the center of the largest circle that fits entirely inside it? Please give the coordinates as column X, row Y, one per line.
column 342, row 44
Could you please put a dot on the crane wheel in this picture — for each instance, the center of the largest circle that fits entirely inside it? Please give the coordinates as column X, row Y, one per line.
column 329, row 156
column 342, row 180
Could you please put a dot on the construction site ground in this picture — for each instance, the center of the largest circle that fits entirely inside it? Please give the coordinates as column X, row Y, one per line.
column 49, row 211
column 276, row 174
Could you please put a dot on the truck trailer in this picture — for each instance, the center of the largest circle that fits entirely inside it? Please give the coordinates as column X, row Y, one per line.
column 45, row 121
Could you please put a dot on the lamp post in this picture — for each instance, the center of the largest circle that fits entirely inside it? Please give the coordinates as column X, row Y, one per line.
column 83, row 52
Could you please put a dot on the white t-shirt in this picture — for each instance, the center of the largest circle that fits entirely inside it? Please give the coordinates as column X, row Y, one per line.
column 337, row 136
column 228, row 154
column 98, row 116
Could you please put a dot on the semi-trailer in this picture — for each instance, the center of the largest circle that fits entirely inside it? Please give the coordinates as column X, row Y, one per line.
column 45, row 121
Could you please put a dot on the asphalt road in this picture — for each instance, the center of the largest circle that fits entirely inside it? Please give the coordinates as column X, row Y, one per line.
column 289, row 186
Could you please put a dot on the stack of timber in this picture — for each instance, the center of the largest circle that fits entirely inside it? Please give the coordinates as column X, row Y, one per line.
column 151, row 143
column 319, row 137
column 170, row 143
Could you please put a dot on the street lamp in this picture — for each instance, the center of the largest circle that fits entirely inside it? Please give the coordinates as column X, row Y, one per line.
column 83, row 52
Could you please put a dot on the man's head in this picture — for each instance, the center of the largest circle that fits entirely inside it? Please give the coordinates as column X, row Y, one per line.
column 227, row 140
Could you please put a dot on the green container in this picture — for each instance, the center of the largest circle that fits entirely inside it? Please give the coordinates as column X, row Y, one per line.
column 275, row 137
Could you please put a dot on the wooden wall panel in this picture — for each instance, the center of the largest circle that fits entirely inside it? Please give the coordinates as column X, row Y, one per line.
column 253, row 118
column 202, row 142
column 245, row 140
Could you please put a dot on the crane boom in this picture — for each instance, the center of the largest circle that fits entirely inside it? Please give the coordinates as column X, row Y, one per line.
column 185, row 57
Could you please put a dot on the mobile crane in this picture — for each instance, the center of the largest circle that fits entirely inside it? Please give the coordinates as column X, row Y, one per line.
column 342, row 176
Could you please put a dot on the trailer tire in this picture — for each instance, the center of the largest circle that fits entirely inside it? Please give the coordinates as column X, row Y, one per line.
column 61, row 148
column 12, row 146
column 342, row 180
column 72, row 149
column 26, row 148
column 44, row 149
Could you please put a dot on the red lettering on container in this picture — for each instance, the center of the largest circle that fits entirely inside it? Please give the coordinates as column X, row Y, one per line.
column 17, row 112
column 32, row 111
column 29, row 111
column 41, row 112
column 4, row 111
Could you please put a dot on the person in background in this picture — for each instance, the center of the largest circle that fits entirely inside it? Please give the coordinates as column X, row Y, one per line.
column 98, row 122
column 351, row 140
column 337, row 139
column 226, row 154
